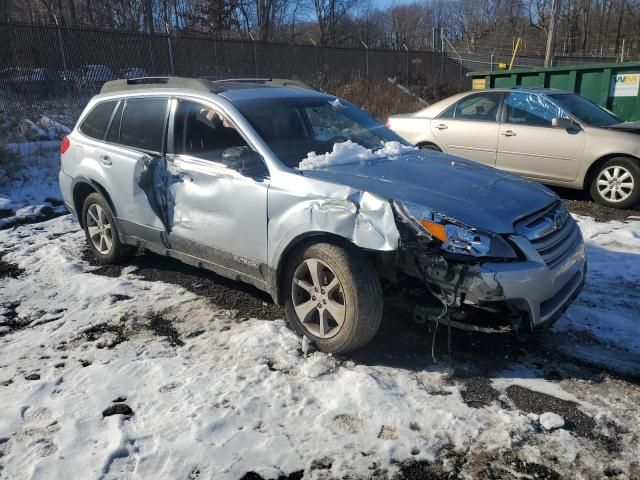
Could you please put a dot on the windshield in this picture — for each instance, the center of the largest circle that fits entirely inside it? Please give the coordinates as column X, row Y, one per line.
column 293, row 127
column 585, row 110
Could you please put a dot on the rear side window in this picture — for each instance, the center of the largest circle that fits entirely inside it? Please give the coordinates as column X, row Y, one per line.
column 114, row 130
column 481, row 107
column 143, row 122
column 95, row 125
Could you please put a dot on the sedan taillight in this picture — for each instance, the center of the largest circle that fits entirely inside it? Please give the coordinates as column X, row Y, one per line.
column 65, row 144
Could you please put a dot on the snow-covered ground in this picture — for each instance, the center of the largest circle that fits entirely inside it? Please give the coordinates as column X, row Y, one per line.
column 109, row 375
column 30, row 192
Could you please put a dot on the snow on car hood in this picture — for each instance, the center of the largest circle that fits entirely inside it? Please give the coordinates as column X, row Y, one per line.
column 475, row 194
column 349, row 152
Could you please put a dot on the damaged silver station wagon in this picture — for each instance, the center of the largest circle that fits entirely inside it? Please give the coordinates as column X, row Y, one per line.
column 308, row 198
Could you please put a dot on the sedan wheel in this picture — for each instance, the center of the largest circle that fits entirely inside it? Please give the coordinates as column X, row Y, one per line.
column 318, row 298
column 615, row 184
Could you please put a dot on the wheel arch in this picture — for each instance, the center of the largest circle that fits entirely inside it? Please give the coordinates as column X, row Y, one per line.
column 299, row 241
column 424, row 143
column 82, row 187
column 593, row 168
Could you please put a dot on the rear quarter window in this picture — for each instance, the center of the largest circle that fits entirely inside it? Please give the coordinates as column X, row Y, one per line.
column 143, row 123
column 95, row 125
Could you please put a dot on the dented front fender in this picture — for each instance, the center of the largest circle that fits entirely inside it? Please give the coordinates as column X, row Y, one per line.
column 299, row 205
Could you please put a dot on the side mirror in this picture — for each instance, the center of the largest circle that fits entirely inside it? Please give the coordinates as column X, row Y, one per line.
column 244, row 160
column 562, row 123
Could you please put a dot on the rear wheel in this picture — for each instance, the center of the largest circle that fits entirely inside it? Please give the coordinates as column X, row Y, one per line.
column 101, row 233
column 429, row 146
column 333, row 297
column 616, row 183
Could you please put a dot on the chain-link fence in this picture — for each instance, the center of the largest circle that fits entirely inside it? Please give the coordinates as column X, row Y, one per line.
column 488, row 61
column 65, row 66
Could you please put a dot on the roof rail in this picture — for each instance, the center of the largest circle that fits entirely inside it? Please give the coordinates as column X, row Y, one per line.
column 272, row 82
column 156, row 82
column 197, row 84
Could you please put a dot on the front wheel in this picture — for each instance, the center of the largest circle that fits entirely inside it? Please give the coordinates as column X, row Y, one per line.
column 334, row 297
column 617, row 183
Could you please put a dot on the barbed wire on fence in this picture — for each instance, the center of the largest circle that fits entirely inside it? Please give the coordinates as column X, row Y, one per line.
column 491, row 59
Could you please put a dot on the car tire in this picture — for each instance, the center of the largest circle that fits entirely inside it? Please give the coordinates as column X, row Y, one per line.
column 429, row 146
column 616, row 183
column 351, row 306
column 101, row 232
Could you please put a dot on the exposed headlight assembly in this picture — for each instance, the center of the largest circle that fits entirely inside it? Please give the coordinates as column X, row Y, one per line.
column 456, row 237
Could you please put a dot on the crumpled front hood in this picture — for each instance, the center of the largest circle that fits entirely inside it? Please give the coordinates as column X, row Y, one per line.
column 478, row 195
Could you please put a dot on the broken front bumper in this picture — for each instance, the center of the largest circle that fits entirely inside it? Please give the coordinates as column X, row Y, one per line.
column 529, row 286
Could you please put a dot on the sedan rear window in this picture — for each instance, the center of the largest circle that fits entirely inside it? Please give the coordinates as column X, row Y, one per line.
column 95, row 125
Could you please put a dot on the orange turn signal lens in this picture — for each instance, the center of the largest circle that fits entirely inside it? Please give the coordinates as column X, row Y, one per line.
column 435, row 229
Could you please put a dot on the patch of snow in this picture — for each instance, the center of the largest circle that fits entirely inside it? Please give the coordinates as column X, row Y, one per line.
column 609, row 306
column 350, row 152
column 34, row 184
column 551, row 421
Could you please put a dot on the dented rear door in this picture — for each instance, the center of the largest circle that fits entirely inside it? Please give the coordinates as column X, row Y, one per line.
column 132, row 153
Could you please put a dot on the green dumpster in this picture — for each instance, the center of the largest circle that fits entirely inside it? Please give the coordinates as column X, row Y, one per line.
column 612, row 85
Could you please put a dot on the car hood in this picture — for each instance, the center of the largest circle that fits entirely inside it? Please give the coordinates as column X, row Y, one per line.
column 478, row 195
column 633, row 127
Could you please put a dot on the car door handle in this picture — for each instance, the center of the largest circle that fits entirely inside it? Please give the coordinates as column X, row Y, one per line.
column 442, row 126
column 105, row 160
column 509, row 133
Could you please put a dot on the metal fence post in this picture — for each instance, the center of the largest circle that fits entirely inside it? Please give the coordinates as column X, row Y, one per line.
column 366, row 57
column 171, row 61
column 407, row 64
column 64, row 57
column 315, row 49
column 255, row 54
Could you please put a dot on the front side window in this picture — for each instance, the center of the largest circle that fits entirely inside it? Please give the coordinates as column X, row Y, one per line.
column 481, row 107
column 293, row 127
column 143, row 121
column 95, row 125
column 585, row 109
column 531, row 109
column 202, row 132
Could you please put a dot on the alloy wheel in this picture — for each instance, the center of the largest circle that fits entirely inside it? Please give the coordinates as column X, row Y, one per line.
column 99, row 228
column 615, row 184
column 318, row 298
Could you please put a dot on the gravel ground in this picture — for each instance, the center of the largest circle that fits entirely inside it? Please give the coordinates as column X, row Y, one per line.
column 580, row 203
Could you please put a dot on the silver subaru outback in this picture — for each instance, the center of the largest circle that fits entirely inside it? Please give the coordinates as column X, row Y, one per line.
column 308, row 198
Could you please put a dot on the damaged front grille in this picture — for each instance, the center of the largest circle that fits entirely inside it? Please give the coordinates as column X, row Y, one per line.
column 552, row 232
